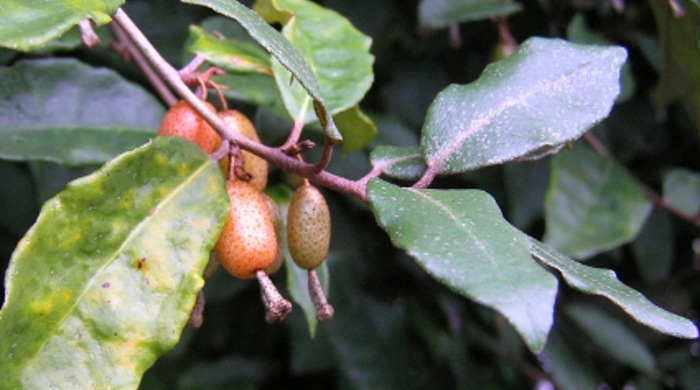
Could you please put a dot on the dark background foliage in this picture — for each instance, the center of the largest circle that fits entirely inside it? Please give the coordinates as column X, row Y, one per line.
column 395, row 327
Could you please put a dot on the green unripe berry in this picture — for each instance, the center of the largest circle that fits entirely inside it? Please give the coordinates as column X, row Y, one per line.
column 308, row 227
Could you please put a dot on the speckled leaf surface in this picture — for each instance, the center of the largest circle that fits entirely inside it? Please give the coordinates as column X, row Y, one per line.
column 104, row 282
column 604, row 282
column 339, row 56
column 28, row 24
column 400, row 162
column 233, row 56
column 460, row 238
column 592, row 204
column 548, row 93
column 442, row 13
column 65, row 111
column 280, row 48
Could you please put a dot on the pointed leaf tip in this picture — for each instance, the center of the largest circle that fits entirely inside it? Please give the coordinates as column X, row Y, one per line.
column 604, row 282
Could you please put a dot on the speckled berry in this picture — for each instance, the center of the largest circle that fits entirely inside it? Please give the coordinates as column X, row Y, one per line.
column 256, row 166
column 247, row 242
column 308, row 227
column 278, row 223
column 182, row 120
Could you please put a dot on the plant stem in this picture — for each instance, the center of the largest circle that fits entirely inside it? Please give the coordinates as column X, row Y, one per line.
column 125, row 42
column 325, row 157
column 277, row 307
column 427, row 178
column 324, row 311
column 273, row 155
column 197, row 315
column 653, row 196
column 87, row 34
column 294, row 135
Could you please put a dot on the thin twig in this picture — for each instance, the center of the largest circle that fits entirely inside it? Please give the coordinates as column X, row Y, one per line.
column 193, row 65
column 197, row 315
column 126, row 44
column 455, row 38
column 273, row 155
column 595, row 143
column 294, row 135
column 87, row 34
column 221, row 152
column 427, row 178
column 653, row 196
column 326, row 156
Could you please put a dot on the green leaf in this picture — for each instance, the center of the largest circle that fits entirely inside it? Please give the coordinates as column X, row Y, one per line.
column 357, row 128
column 259, row 90
column 400, row 162
column 592, row 204
column 282, row 50
column 682, row 190
column 29, row 24
column 338, row 54
column 679, row 41
column 612, row 336
column 604, row 282
column 233, row 56
column 654, row 247
column 577, row 31
column 104, row 282
column 548, row 93
column 461, row 239
column 442, row 13
column 570, row 369
column 64, row 111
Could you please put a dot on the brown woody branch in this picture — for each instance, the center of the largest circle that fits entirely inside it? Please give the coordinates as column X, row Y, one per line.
column 273, row 155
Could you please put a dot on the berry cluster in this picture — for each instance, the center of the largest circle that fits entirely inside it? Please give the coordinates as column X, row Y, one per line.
column 252, row 240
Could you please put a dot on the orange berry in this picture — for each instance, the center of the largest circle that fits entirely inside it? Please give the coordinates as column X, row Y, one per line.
column 252, row 164
column 247, row 242
column 182, row 120
column 278, row 223
column 308, row 227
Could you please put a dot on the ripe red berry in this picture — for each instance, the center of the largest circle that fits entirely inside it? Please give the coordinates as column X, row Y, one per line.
column 247, row 242
column 182, row 120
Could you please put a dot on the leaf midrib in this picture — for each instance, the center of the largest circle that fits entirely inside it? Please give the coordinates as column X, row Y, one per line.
column 476, row 125
column 491, row 258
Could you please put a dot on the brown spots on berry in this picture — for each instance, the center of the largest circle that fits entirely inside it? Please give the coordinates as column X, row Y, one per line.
column 256, row 166
column 247, row 242
column 308, row 227
column 183, row 121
